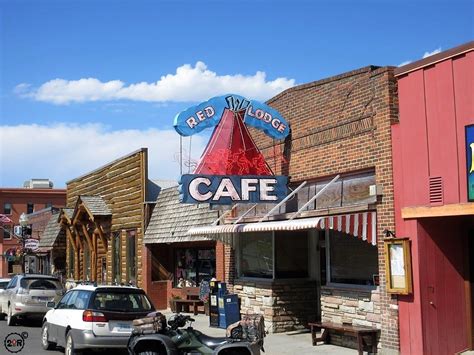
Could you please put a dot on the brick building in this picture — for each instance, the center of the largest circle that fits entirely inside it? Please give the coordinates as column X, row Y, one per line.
column 328, row 262
column 36, row 195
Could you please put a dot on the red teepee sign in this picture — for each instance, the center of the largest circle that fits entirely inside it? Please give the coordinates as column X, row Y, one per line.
column 232, row 168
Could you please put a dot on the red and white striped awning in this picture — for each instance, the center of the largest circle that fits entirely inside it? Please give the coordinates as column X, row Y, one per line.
column 361, row 225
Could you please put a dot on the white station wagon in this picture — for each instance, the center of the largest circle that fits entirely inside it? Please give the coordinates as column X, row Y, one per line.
column 94, row 317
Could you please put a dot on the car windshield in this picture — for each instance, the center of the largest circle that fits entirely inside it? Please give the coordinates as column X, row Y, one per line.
column 122, row 301
column 3, row 284
column 40, row 284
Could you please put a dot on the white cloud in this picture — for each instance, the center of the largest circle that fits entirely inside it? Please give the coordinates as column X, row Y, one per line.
column 404, row 63
column 22, row 89
column 436, row 51
column 189, row 83
column 426, row 54
column 63, row 152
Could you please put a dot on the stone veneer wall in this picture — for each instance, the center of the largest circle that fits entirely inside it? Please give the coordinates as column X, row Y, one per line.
column 354, row 306
column 286, row 305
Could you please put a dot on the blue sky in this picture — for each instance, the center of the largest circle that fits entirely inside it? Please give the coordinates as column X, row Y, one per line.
column 84, row 82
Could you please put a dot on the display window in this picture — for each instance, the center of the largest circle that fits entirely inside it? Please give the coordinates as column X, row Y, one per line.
column 194, row 265
column 350, row 260
column 279, row 255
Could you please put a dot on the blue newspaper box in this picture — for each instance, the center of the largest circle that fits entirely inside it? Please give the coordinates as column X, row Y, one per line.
column 221, row 289
column 229, row 311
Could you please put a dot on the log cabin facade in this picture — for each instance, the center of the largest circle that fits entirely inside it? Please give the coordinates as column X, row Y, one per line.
column 105, row 219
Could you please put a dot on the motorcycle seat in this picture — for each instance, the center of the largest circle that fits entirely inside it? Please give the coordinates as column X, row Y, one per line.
column 212, row 342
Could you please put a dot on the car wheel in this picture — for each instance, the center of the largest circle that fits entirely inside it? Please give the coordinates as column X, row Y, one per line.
column 69, row 349
column 2, row 316
column 47, row 345
column 10, row 318
column 148, row 353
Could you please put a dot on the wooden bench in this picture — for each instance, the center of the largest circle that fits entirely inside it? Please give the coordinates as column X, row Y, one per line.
column 191, row 300
column 358, row 331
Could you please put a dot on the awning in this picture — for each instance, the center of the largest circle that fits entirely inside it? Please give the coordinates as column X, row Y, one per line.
column 361, row 225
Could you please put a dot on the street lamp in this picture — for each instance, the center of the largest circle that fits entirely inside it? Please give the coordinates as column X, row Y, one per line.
column 24, row 224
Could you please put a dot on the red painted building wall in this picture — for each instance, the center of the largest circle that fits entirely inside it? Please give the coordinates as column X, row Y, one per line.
column 19, row 198
column 436, row 103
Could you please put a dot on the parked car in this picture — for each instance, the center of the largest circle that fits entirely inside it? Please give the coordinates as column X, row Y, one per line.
column 27, row 295
column 4, row 283
column 94, row 317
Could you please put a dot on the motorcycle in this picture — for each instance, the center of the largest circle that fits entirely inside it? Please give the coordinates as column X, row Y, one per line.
column 177, row 339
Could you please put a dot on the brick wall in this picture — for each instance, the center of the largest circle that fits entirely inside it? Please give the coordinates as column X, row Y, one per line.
column 342, row 125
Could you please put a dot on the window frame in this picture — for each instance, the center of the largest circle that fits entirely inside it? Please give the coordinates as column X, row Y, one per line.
column 63, row 301
column 30, row 207
column 9, row 208
column 131, row 234
column 197, row 269
column 329, row 283
column 273, row 278
column 7, row 230
column 117, row 258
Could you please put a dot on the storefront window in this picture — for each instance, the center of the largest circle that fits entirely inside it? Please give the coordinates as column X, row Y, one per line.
column 256, row 255
column 274, row 255
column 351, row 260
column 291, row 254
column 193, row 266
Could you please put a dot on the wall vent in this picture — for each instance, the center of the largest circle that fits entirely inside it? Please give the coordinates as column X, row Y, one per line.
column 436, row 190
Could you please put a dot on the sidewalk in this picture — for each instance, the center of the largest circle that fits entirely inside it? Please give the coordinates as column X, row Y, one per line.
column 298, row 342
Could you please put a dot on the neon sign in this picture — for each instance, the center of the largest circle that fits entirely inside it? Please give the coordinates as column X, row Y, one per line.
column 208, row 114
column 232, row 169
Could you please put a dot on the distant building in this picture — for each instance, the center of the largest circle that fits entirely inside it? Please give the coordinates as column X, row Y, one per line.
column 37, row 194
column 45, row 228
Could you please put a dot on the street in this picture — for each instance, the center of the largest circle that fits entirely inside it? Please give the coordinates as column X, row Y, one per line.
column 275, row 344
column 31, row 332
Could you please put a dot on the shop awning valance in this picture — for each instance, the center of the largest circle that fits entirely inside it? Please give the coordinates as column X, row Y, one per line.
column 361, row 225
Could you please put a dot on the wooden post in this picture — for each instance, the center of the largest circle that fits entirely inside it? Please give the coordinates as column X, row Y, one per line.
column 94, row 257
column 73, row 243
column 91, row 250
column 101, row 234
column 77, row 259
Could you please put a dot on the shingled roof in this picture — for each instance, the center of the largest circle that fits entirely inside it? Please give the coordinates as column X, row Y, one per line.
column 95, row 204
column 51, row 233
column 171, row 219
column 68, row 212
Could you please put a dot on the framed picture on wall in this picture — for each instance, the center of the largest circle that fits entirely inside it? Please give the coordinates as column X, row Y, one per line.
column 398, row 266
